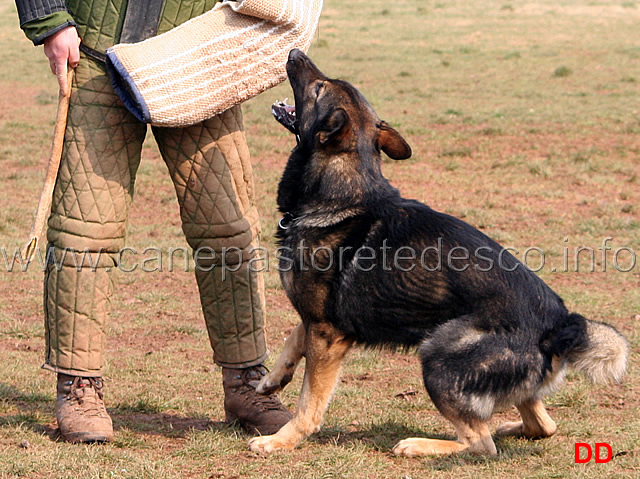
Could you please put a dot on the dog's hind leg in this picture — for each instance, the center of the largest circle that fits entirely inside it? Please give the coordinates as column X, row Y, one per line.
column 456, row 368
column 536, row 422
column 473, row 437
column 325, row 349
column 286, row 364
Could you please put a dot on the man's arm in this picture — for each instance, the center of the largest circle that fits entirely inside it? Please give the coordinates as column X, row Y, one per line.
column 48, row 22
column 40, row 19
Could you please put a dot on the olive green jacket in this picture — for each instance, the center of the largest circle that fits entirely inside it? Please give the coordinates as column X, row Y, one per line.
column 100, row 22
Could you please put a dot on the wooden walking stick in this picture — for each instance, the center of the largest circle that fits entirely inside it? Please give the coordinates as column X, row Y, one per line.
column 44, row 204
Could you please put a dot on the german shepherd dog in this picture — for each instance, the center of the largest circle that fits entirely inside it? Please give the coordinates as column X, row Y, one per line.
column 362, row 265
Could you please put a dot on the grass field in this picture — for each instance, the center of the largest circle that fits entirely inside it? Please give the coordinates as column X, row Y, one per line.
column 524, row 119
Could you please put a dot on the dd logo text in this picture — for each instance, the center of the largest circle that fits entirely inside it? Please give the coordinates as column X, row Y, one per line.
column 584, row 453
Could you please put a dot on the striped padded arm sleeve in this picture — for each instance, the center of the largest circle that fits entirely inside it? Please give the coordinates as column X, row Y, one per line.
column 30, row 10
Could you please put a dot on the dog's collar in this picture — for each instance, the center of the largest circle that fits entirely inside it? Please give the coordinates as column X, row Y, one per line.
column 311, row 220
column 287, row 220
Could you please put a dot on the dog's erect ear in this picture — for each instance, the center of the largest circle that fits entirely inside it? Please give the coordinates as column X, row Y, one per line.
column 392, row 143
column 333, row 125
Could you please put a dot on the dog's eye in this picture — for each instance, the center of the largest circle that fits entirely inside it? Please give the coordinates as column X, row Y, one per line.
column 319, row 87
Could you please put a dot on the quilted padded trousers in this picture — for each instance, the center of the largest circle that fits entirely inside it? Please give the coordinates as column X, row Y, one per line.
column 210, row 168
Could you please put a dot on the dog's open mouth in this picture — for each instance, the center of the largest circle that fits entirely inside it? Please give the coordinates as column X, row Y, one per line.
column 286, row 115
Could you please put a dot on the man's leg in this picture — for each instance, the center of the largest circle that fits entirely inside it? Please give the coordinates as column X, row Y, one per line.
column 86, row 228
column 211, row 170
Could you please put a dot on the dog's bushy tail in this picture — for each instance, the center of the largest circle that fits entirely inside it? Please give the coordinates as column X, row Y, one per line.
column 600, row 351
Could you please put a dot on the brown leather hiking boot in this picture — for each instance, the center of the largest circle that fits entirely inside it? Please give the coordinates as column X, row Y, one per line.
column 80, row 410
column 257, row 413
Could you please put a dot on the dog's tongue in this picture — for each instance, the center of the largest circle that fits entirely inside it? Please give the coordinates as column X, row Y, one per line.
column 286, row 115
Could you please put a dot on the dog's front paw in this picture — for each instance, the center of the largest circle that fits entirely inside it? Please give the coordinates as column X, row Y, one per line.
column 272, row 383
column 415, row 447
column 267, row 385
column 269, row 444
column 408, row 448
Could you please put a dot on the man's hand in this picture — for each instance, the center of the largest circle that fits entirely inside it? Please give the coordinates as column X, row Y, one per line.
column 62, row 49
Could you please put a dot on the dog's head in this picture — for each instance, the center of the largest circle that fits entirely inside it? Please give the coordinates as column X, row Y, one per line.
column 333, row 116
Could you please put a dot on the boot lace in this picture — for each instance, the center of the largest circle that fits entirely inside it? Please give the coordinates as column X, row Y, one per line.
column 92, row 406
